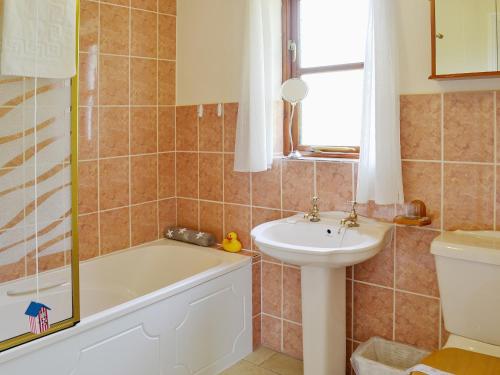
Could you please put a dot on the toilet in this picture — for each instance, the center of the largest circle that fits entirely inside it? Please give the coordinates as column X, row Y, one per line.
column 468, row 270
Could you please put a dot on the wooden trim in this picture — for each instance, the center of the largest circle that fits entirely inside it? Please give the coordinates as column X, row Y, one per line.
column 451, row 76
column 294, row 35
column 285, row 26
column 286, row 68
column 329, row 155
column 331, row 68
column 290, row 32
column 337, row 149
column 433, row 38
column 465, row 75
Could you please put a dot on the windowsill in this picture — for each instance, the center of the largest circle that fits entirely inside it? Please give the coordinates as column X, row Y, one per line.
column 317, row 157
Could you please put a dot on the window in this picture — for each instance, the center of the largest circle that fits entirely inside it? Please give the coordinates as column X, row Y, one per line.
column 325, row 46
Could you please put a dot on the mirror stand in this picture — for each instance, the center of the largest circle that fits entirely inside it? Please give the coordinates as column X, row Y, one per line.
column 294, row 154
column 293, row 91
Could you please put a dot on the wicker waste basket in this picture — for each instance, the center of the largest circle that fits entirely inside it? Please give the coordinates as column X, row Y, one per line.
column 382, row 357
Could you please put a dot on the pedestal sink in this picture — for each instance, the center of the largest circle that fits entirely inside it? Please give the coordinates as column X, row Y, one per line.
column 323, row 250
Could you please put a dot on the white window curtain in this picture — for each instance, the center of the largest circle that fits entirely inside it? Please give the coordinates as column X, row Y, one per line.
column 379, row 176
column 260, row 84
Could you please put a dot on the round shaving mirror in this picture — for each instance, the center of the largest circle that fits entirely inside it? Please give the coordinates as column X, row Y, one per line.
column 294, row 90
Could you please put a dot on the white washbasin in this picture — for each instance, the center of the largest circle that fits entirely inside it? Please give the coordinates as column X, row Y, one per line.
column 298, row 241
column 323, row 250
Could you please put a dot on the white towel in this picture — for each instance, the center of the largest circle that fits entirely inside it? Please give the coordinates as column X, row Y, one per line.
column 39, row 38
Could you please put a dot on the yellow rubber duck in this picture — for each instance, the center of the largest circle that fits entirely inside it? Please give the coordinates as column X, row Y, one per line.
column 231, row 243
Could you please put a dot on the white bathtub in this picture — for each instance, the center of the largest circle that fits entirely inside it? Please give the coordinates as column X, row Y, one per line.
column 162, row 308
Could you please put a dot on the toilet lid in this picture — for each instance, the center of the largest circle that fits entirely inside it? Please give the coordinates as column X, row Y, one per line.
column 462, row 362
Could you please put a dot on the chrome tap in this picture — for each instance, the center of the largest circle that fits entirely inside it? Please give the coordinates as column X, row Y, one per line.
column 313, row 215
column 351, row 221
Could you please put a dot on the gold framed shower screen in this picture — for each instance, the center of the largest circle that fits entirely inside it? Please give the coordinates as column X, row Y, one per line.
column 75, row 284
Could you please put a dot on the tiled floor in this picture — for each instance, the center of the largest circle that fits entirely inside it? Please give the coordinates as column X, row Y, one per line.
column 264, row 361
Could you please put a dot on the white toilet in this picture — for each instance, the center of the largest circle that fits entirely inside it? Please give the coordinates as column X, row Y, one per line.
column 468, row 269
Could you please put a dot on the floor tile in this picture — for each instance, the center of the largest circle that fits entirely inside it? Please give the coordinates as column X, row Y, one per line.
column 246, row 368
column 284, row 365
column 260, row 355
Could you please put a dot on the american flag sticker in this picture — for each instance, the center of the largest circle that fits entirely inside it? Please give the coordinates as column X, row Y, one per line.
column 38, row 316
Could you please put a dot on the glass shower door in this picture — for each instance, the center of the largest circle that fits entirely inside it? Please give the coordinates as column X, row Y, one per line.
column 39, row 291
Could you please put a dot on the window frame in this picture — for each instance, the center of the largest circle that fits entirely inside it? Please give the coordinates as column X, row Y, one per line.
column 291, row 69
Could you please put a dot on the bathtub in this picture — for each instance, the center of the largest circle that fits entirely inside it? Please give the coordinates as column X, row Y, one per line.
column 161, row 308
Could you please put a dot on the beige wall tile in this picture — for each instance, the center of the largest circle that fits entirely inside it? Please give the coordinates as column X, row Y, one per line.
column 167, row 6
column 114, row 29
column 145, row 4
column 266, row 187
column 143, row 130
column 144, row 178
column 87, row 187
column 373, row 308
column 298, row 185
column 334, row 185
column 144, row 34
column 468, row 196
column 167, row 39
column 187, row 174
column 166, row 175
column 113, row 183
column 166, row 129
column 143, row 82
column 417, row 321
column 415, row 265
column 87, row 133
column 292, row 296
column 144, row 223
column 421, row 127
column 379, row 269
column 468, row 126
column 114, row 230
column 272, row 276
column 113, row 80
column 271, row 332
column 89, row 25
column 113, row 132
column 237, row 219
column 211, row 215
column 236, row 184
column 211, row 129
column 186, row 124
column 187, row 213
column 88, row 236
column 211, row 176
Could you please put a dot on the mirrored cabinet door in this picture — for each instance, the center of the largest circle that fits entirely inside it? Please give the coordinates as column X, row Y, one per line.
column 465, row 38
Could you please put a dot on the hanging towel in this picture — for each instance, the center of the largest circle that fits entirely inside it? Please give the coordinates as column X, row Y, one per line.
column 39, row 38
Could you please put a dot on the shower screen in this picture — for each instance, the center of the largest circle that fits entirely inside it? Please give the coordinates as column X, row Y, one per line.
column 39, row 291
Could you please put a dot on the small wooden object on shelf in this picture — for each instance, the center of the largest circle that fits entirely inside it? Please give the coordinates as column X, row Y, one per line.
column 416, row 215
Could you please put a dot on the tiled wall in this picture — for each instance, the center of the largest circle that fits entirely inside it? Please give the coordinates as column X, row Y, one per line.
column 145, row 164
column 127, row 115
column 449, row 161
column 212, row 197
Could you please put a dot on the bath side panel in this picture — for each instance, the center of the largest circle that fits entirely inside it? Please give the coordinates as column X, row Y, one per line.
column 202, row 330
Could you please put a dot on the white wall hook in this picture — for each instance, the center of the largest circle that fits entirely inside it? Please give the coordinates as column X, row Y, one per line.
column 219, row 109
column 200, row 111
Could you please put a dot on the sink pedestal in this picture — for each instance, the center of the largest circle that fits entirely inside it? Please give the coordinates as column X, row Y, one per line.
column 323, row 320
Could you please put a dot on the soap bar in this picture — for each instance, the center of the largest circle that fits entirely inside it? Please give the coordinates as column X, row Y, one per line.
column 190, row 236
